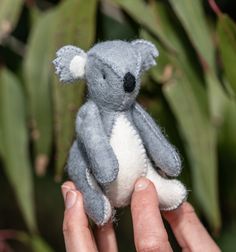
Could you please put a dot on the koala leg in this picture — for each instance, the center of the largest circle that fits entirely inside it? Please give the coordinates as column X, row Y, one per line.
column 96, row 204
column 171, row 192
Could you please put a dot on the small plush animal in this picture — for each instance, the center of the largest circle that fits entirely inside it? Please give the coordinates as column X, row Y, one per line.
column 116, row 139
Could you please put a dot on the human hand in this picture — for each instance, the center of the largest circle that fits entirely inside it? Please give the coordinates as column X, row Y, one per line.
column 149, row 231
column 77, row 232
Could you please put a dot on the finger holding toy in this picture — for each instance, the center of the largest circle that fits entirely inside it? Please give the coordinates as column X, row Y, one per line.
column 149, row 231
column 77, row 232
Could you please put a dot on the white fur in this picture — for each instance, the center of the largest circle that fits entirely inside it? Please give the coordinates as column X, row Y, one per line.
column 171, row 192
column 77, row 66
column 134, row 163
column 131, row 157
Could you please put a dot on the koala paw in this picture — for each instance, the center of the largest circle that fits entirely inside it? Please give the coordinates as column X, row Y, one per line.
column 97, row 207
column 70, row 63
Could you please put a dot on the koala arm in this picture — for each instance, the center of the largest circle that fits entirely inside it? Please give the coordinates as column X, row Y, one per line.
column 160, row 150
column 90, row 130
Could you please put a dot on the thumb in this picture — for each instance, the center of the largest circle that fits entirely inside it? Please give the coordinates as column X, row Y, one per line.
column 76, row 230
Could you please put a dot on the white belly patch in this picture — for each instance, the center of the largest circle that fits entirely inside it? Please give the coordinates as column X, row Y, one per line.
column 131, row 155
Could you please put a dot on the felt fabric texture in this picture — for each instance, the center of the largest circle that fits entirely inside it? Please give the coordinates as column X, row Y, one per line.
column 116, row 140
column 96, row 203
column 161, row 151
column 102, row 159
column 148, row 53
column 77, row 66
column 171, row 192
column 62, row 63
column 131, row 156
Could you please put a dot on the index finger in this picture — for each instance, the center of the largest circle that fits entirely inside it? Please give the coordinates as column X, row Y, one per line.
column 149, row 230
column 189, row 231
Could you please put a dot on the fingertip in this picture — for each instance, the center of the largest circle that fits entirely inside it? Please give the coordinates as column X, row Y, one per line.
column 76, row 230
column 144, row 195
column 145, row 192
column 66, row 186
column 188, row 229
column 141, row 184
column 74, row 211
column 176, row 215
column 149, row 231
column 78, row 202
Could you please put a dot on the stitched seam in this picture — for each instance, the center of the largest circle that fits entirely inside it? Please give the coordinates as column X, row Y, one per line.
column 154, row 131
column 143, row 151
column 105, row 207
column 140, row 146
column 98, row 177
column 108, row 64
column 179, row 202
column 105, row 210
column 138, row 67
column 145, row 42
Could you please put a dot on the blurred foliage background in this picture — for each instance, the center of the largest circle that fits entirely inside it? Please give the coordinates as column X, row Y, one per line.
column 191, row 92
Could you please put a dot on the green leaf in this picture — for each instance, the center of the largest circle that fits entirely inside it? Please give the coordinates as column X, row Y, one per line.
column 113, row 24
column 35, row 242
column 226, row 31
column 191, row 15
column 44, row 42
column 147, row 16
column 163, row 71
column 217, row 99
column 14, row 143
column 200, row 144
column 9, row 13
column 227, row 137
column 39, row 245
column 37, row 66
column 79, row 30
column 184, row 62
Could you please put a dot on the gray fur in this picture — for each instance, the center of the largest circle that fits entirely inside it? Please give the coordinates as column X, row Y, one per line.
column 90, row 130
column 161, row 151
column 93, row 198
column 106, row 65
column 148, row 52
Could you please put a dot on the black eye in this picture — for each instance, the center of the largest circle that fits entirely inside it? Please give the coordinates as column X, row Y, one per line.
column 103, row 76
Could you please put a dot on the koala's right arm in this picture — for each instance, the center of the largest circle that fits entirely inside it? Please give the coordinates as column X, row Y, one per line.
column 90, row 131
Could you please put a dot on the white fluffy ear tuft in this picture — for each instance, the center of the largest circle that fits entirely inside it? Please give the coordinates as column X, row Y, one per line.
column 70, row 63
column 77, row 66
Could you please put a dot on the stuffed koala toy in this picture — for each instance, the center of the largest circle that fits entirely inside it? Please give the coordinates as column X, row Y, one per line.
column 117, row 141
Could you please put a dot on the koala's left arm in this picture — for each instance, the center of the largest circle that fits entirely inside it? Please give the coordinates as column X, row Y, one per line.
column 89, row 128
column 161, row 151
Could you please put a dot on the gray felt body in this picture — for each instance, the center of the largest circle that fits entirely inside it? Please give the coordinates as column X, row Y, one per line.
column 77, row 166
column 91, row 154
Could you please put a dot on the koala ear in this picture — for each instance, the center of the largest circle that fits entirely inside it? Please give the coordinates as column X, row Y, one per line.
column 70, row 63
column 147, row 51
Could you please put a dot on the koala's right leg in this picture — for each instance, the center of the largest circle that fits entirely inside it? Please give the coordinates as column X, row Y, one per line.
column 96, row 204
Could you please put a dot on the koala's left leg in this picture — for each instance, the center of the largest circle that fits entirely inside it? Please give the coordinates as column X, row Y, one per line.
column 96, row 204
column 171, row 192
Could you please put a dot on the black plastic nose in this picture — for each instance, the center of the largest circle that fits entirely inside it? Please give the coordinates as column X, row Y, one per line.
column 129, row 82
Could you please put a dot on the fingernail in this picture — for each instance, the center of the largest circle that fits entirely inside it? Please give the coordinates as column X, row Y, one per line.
column 70, row 199
column 141, row 184
column 64, row 190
